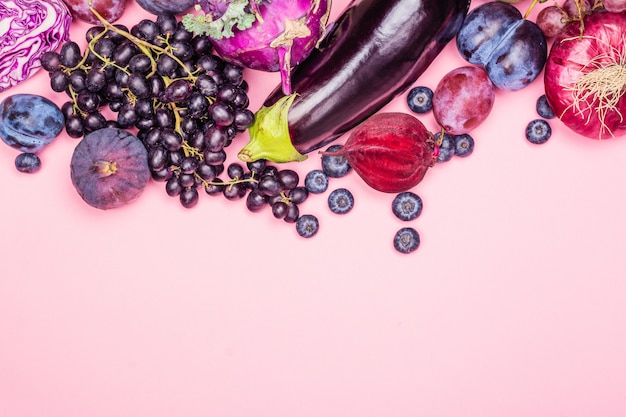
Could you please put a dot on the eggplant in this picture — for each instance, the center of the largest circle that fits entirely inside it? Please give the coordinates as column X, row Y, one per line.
column 373, row 52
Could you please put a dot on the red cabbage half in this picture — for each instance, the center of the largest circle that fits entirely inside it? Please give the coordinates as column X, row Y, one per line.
column 28, row 29
column 265, row 35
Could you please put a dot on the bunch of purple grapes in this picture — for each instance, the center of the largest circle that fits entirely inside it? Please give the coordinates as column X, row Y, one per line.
column 186, row 104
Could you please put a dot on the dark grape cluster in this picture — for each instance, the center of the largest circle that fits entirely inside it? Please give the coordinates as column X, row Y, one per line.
column 185, row 103
column 267, row 185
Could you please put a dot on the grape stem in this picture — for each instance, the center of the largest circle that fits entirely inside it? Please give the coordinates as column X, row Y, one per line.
column 143, row 45
column 532, row 6
column 147, row 48
column 233, row 181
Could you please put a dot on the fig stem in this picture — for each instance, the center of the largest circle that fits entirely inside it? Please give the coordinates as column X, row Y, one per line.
column 105, row 168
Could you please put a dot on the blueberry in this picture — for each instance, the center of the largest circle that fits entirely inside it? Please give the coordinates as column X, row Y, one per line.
column 407, row 206
column 406, row 240
column 335, row 166
column 538, row 131
column 340, row 201
column 446, row 146
column 27, row 162
column 543, row 108
column 463, row 145
column 420, row 99
column 307, row 225
column 316, row 181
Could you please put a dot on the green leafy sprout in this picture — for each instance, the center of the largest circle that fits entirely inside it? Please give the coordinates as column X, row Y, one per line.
column 240, row 15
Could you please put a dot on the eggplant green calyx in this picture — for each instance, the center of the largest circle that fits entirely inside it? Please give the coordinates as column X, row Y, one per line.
column 269, row 135
column 237, row 16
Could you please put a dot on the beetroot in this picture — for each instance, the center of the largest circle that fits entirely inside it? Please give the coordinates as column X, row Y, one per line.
column 109, row 168
column 391, row 152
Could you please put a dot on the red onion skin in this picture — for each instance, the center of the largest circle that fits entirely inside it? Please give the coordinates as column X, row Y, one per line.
column 569, row 58
column 251, row 48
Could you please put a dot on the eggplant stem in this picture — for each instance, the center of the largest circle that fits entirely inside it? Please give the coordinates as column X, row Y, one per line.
column 269, row 135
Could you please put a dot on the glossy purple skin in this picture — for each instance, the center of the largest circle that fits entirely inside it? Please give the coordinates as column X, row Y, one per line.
column 252, row 47
column 375, row 51
column 513, row 50
column 483, row 30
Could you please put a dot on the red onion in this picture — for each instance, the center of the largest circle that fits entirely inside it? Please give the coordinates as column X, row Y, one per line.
column 279, row 35
column 28, row 29
column 585, row 76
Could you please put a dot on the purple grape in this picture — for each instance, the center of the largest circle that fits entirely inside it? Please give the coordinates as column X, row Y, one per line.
column 256, row 200
column 270, row 185
column 189, row 197
column 70, row 54
column 138, row 85
column 279, row 209
column 234, row 191
column 50, row 61
column 177, row 91
column 298, row 195
column 293, row 213
column 173, row 187
column 222, row 113
column 289, row 178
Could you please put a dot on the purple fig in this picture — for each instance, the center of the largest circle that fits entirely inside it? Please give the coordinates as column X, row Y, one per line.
column 109, row 168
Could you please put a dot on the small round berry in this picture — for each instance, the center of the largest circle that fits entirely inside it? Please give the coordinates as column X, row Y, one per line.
column 543, row 108
column 298, row 195
column 420, row 99
column 463, row 145
column 293, row 213
column 28, row 163
column 307, row 225
column 335, row 166
column 340, row 201
column 407, row 206
column 538, row 131
column 406, row 240
column 316, row 181
column 445, row 147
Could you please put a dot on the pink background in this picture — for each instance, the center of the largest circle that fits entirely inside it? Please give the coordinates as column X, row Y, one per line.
column 514, row 304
